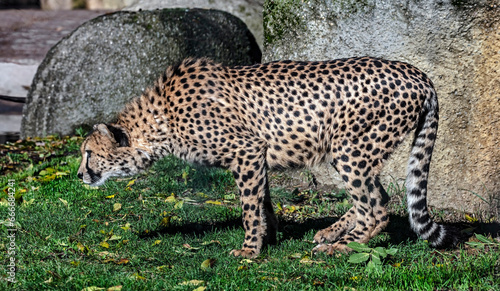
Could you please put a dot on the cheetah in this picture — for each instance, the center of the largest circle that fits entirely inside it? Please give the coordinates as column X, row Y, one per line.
column 351, row 113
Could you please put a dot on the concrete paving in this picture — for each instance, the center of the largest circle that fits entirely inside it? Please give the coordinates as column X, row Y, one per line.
column 25, row 38
column 27, row 35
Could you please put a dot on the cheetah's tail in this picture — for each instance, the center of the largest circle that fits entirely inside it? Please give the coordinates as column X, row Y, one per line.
column 416, row 181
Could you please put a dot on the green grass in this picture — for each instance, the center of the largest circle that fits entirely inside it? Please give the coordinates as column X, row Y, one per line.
column 173, row 228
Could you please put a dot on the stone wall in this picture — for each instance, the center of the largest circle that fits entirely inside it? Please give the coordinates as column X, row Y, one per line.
column 250, row 11
column 457, row 43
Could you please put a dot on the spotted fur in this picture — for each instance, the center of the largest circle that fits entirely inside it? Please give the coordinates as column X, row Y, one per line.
column 351, row 113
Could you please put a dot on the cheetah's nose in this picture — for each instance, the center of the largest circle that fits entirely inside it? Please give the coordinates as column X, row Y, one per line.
column 80, row 175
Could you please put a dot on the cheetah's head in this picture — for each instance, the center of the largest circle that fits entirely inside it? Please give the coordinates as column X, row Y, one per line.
column 107, row 152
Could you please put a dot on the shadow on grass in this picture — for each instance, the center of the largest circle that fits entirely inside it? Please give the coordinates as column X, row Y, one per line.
column 487, row 229
column 399, row 230
column 195, row 228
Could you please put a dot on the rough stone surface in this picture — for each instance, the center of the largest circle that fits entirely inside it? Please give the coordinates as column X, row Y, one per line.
column 92, row 73
column 457, row 43
column 250, row 11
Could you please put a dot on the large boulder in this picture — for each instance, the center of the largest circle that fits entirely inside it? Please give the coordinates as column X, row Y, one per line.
column 250, row 11
column 92, row 73
column 455, row 42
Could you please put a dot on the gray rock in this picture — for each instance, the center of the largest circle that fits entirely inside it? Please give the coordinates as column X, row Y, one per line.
column 92, row 73
column 250, row 11
column 457, row 43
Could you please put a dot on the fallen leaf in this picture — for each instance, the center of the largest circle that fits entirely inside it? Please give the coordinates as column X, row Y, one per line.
column 202, row 194
column 138, row 277
column 213, row 202
column 47, row 171
column 205, row 243
column 93, row 288
column 62, row 243
column 179, row 204
column 319, row 283
column 208, row 263
column 115, row 237
column 185, row 175
column 110, row 196
column 230, row 196
column 64, row 202
column 117, row 206
column 104, row 254
column 308, row 261
column 104, row 244
column 171, row 199
column 126, row 226
column 54, row 274
column 165, row 221
column 28, row 202
column 80, row 247
column 115, row 288
column 163, row 268
column 470, row 218
column 192, row 283
column 130, row 183
column 397, row 265
column 269, row 278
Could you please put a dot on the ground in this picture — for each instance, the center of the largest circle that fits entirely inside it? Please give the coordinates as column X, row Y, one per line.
column 174, row 226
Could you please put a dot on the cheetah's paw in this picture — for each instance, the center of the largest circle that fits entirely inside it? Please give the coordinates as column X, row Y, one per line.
column 331, row 249
column 246, row 253
column 327, row 235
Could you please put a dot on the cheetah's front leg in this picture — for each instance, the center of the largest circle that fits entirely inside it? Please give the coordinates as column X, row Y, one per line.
column 378, row 200
column 259, row 221
column 334, row 232
column 365, row 196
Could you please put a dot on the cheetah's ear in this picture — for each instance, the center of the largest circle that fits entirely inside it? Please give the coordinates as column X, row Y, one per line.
column 114, row 133
column 103, row 129
column 119, row 135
